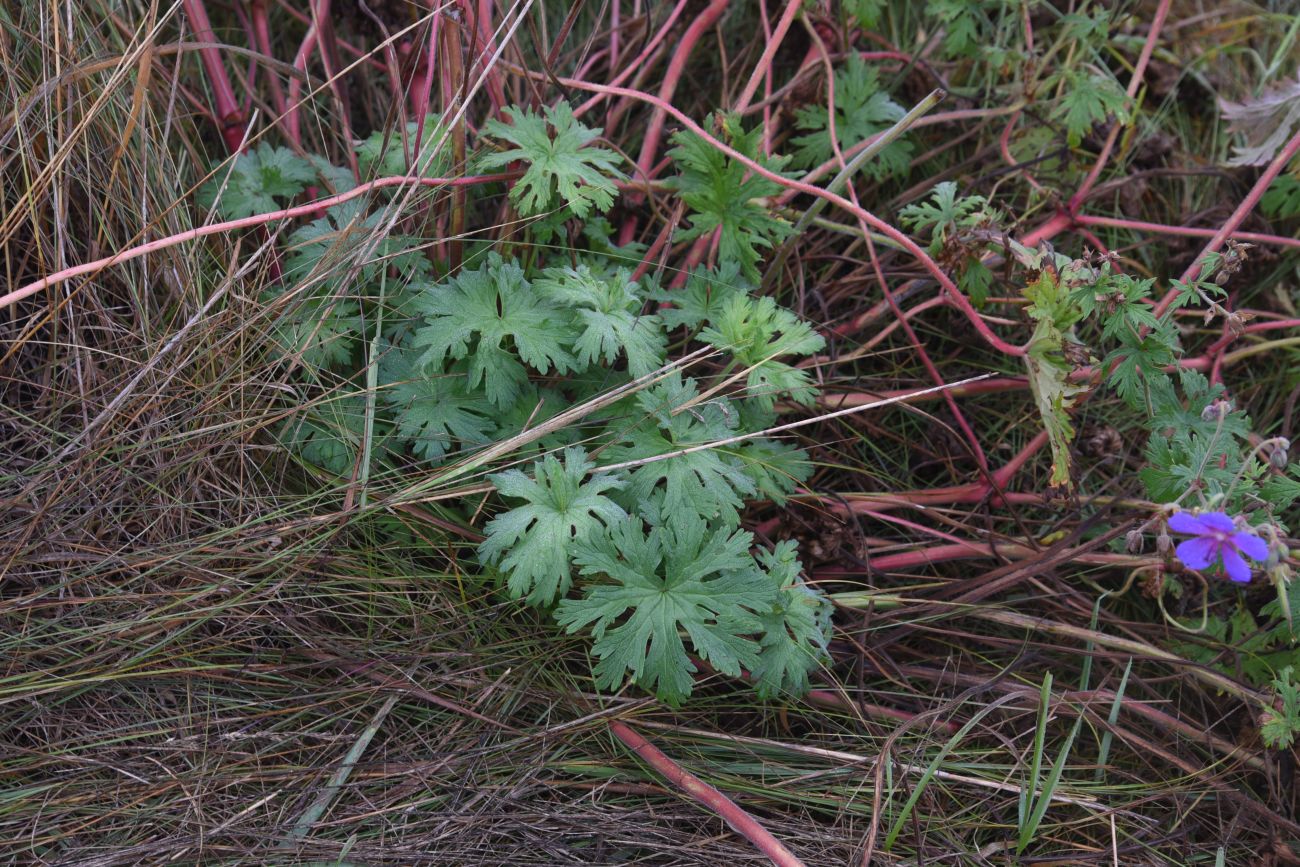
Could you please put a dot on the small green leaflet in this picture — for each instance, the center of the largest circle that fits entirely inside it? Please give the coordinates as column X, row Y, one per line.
column 493, row 317
column 259, row 180
column 560, row 165
column 795, row 628
column 608, row 312
column 1049, row 371
column 534, row 542
column 433, row 412
column 688, row 580
column 757, row 332
column 862, row 109
column 708, row 484
column 722, row 193
column 1087, row 99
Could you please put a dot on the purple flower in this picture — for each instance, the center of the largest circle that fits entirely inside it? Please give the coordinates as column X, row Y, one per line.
column 1215, row 537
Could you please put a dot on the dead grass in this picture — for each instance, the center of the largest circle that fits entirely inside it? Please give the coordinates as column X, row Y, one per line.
column 205, row 659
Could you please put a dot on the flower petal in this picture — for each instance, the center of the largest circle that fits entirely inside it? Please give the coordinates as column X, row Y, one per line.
column 1235, row 566
column 1186, row 522
column 1251, row 545
column 1218, row 521
column 1198, row 553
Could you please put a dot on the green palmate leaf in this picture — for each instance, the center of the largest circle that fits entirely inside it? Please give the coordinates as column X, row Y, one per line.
column 1282, row 724
column 329, row 434
column 1087, row 99
column 1169, row 413
column 862, row 109
column 757, row 332
column 1282, row 492
column 962, row 22
column 1186, row 461
column 1282, row 198
column 689, row 581
column 562, row 167
column 607, row 313
column 705, row 294
column 562, row 509
column 944, row 213
column 796, row 628
column 433, row 413
column 776, row 468
column 1140, row 360
column 722, row 194
column 975, row 279
column 259, row 182
column 705, row 485
column 1120, row 301
column 866, row 12
column 493, row 317
column 384, row 153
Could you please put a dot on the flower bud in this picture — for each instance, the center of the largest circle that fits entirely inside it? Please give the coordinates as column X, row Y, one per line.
column 1277, row 450
column 1164, row 543
column 1134, row 542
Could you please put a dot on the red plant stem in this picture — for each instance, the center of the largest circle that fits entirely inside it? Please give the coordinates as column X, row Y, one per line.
column 292, row 127
column 262, row 39
column 492, row 75
column 243, row 223
column 654, row 129
column 1238, row 216
column 958, row 299
column 764, row 66
column 229, row 115
column 826, row 698
column 911, row 525
column 861, row 398
column 967, row 550
column 1004, row 145
column 615, row 14
column 1184, row 231
column 639, row 62
column 977, row 451
column 424, row 93
column 1254, row 328
column 1153, row 35
column 728, row 810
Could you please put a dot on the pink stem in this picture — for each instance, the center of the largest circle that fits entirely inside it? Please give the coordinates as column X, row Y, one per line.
column 1153, row 35
column 958, row 299
column 242, row 223
column 639, row 62
column 1238, row 216
column 969, row 551
column 292, row 127
column 228, row 112
column 496, row 90
column 654, row 130
column 262, row 38
column 1004, row 145
column 728, row 810
column 424, row 94
column 764, row 66
column 1184, row 231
